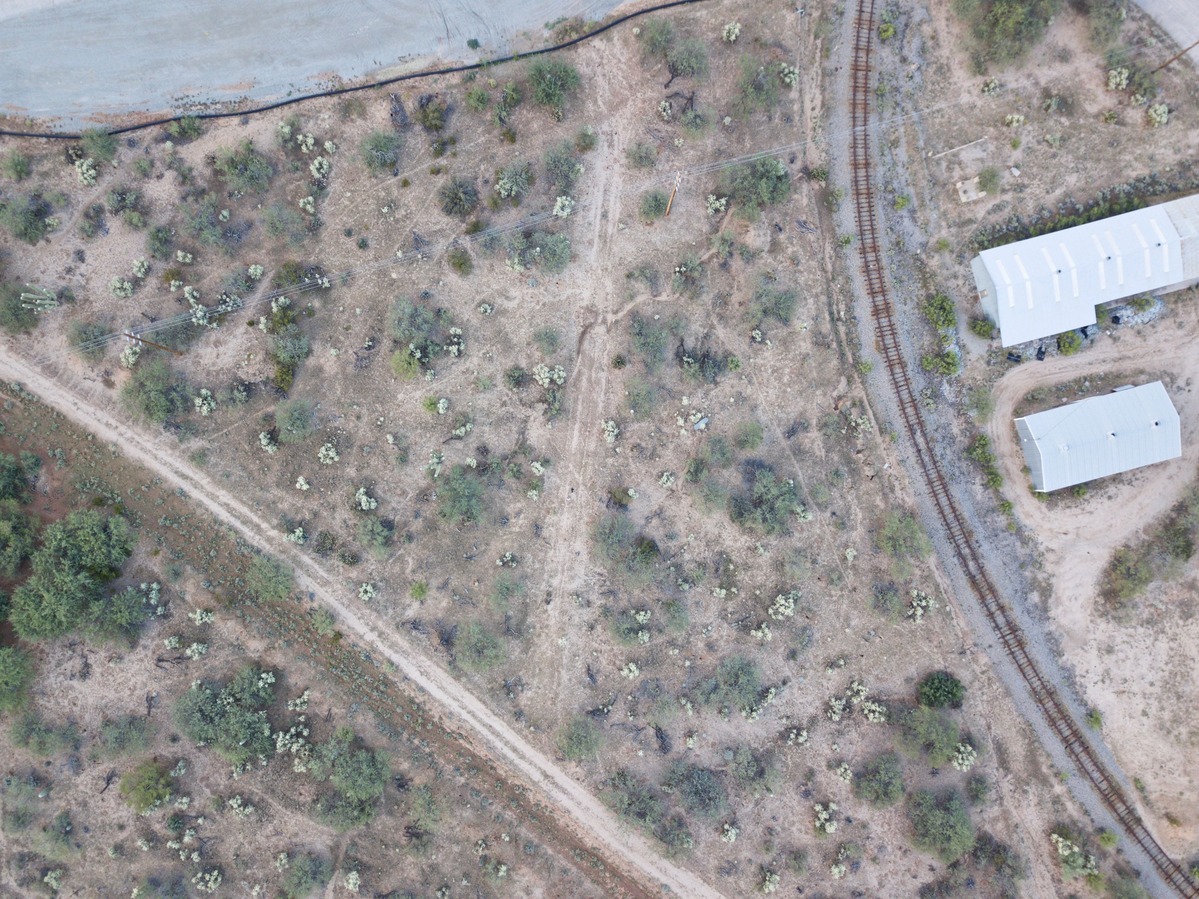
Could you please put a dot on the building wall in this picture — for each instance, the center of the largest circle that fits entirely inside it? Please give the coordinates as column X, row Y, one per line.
column 1032, row 455
column 986, row 289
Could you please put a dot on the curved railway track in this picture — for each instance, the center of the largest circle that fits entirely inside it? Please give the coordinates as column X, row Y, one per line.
column 956, row 530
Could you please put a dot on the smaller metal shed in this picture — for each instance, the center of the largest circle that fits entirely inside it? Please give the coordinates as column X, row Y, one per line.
column 1100, row 436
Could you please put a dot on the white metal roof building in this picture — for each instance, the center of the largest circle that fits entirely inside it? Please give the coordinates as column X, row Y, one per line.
column 1049, row 284
column 1100, row 436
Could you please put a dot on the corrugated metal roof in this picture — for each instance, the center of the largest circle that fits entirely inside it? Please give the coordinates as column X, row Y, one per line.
column 1052, row 283
column 1102, row 436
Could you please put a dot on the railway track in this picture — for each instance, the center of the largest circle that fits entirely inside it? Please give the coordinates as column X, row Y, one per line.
column 1006, row 628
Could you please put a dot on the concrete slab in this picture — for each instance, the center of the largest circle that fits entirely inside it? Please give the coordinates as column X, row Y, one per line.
column 80, row 61
column 1179, row 19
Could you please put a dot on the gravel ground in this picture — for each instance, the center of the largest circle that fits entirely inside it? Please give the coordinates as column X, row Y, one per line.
column 1007, row 558
column 78, row 62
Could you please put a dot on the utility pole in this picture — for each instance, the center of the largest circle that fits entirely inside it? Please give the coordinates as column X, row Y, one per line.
column 678, row 179
column 157, row 346
column 1174, row 57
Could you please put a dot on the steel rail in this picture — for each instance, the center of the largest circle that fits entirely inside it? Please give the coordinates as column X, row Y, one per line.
column 1003, row 621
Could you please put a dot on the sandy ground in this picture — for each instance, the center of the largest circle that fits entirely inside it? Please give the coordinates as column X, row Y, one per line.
column 81, row 61
column 463, row 710
column 1127, row 671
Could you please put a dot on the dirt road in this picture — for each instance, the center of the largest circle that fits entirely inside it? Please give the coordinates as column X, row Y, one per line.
column 462, row 710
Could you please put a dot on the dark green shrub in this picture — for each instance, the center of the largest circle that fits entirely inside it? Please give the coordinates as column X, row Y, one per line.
column 15, row 316
column 771, row 301
column 244, row 169
column 460, row 261
column 947, row 363
column 941, row 824
column 562, row 168
column 230, row 717
column 748, row 436
column 267, row 580
column 78, row 556
column 293, row 420
column 146, row 786
column 358, row 777
column 17, row 166
column 642, row 156
column 460, row 496
column 902, row 538
column 160, row 241
column 939, row 689
column 156, row 392
column 1069, row 343
column 756, row 185
column 458, row 197
column 25, row 217
column 752, row 770
column 185, row 129
column 431, row 113
column 939, row 310
column 123, row 736
column 98, row 145
column 632, row 798
column 579, row 738
column 16, row 674
column 757, row 87
column 653, row 205
column 85, row 337
column 554, row 249
column 699, row 789
column 929, row 731
column 553, row 81
column 305, row 874
column 42, row 738
column 735, row 685
column 768, row 505
column 687, row 58
column 477, row 649
column 381, row 151
column 1005, row 30
column 657, row 37
column 649, row 339
column 1126, row 577
column 621, row 545
column 880, row 780
column 982, row 327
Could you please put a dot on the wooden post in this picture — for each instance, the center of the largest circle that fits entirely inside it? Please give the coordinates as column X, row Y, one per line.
column 678, row 179
column 1174, row 57
column 157, row 346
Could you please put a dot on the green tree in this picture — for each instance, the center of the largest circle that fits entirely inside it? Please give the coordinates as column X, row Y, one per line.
column 632, row 798
column 358, row 777
column 16, row 674
column 880, row 780
column 230, row 717
column 941, row 824
column 146, row 786
column 939, row 689
column 381, row 151
column 14, row 479
column 78, row 556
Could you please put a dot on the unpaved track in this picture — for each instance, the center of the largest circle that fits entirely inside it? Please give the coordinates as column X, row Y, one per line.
column 461, row 710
